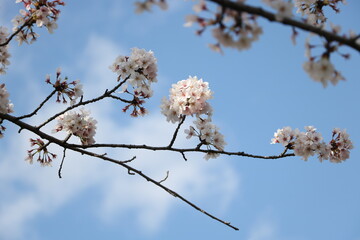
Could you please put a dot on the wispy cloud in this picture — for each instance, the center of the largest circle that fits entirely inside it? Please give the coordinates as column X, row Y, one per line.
column 265, row 228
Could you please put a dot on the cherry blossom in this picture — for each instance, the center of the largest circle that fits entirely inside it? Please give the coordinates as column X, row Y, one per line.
column 5, row 105
column 42, row 13
column 309, row 143
column 63, row 88
column 4, row 54
column 323, row 71
column 187, row 97
column 313, row 9
column 283, row 9
column 139, row 70
column 231, row 28
column 79, row 124
column 340, row 146
column 44, row 156
column 146, row 6
column 208, row 134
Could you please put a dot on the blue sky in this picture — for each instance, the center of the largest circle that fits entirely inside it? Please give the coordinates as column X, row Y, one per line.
column 255, row 93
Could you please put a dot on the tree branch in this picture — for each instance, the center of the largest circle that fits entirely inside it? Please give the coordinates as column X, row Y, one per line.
column 62, row 162
column 39, row 107
column 329, row 36
column 120, row 99
column 107, row 93
column 130, row 170
column 176, row 131
column 181, row 150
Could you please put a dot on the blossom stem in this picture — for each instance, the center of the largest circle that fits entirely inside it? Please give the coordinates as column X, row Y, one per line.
column 176, row 131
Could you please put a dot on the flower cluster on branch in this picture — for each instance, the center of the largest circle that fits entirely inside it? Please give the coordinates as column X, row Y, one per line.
column 5, row 105
column 309, row 143
column 140, row 70
column 234, row 24
column 44, row 156
column 42, row 13
column 189, row 97
column 64, row 88
column 79, row 124
column 4, row 53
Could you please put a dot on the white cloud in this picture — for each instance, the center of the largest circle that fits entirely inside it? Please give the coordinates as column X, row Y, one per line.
column 264, row 229
column 31, row 191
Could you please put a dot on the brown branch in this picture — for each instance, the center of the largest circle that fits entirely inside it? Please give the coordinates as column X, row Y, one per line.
column 176, row 131
column 107, row 93
column 130, row 160
column 180, row 150
column 163, row 180
column 329, row 36
column 121, row 99
column 62, row 162
column 183, row 155
column 131, row 170
column 39, row 107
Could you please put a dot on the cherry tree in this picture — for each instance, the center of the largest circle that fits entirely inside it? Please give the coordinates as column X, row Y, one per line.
column 234, row 25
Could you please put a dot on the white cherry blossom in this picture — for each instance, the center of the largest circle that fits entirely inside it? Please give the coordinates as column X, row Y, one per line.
column 79, row 124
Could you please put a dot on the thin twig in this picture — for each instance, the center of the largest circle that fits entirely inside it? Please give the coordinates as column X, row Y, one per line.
column 284, row 152
column 183, row 155
column 39, row 107
column 62, row 162
column 130, row 160
column 177, row 130
column 107, row 93
column 329, row 36
column 163, row 180
column 120, row 99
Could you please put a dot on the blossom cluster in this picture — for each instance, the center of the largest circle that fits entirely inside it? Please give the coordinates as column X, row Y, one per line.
column 283, row 8
column 79, row 124
column 4, row 53
column 44, row 156
column 309, row 143
column 231, row 28
column 139, row 70
column 187, row 97
column 148, row 4
column 322, row 71
column 42, row 13
column 138, row 67
column 313, row 10
column 73, row 90
column 320, row 68
column 208, row 134
column 5, row 105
